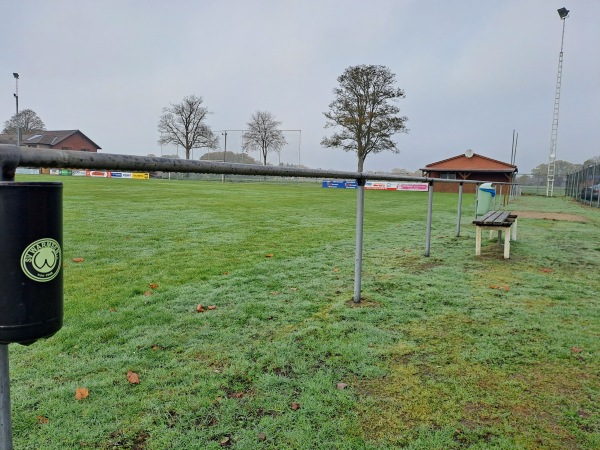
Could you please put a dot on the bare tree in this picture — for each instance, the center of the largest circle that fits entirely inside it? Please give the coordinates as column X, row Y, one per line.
column 362, row 109
column 263, row 134
column 27, row 120
column 184, row 124
column 594, row 160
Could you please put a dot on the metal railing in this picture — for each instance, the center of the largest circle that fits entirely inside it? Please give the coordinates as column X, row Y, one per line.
column 584, row 185
column 12, row 157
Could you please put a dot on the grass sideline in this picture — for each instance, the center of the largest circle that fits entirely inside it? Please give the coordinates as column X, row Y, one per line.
column 450, row 351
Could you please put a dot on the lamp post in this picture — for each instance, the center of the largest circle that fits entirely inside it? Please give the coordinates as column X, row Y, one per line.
column 16, row 94
column 224, row 133
column 563, row 13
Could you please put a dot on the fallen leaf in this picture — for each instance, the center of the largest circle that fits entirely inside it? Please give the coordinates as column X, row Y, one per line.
column 113, row 309
column 78, row 260
column 155, row 347
column 576, row 349
column 502, row 287
column 133, row 377
column 336, row 269
column 225, row 273
column 546, row 270
column 237, row 395
column 342, row 386
column 42, row 419
column 275, row 293
column 148, row 293
column 225, row 442
column 295, row 406
column 153, row 285
column 293, row 289
column 262, row 436
column 199, row 308
column 81, row 393
column 269, row 255
column 211, row 307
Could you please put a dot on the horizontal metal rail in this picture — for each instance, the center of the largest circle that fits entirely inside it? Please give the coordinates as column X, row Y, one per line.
column 13, row 156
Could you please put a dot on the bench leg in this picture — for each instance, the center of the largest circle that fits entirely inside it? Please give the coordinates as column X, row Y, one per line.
column 514, row 230
column 507, row 244
column 477, row 241
column 499, row 238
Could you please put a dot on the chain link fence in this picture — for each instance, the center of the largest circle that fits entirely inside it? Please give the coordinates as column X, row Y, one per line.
column 537, row 183
column 584, row 185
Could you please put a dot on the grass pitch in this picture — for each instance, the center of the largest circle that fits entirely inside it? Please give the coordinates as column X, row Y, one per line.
column 449, row 351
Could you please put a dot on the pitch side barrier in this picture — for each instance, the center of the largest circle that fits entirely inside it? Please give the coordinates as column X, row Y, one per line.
column 36, row 282
column 12, row 157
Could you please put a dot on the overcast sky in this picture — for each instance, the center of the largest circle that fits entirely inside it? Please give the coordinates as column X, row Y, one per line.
column 472, row 70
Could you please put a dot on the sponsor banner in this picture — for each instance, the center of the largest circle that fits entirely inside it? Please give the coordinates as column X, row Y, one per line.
column 25, row 171
column 79, row 173
column 393, row 186
column 54, row 172
column 96, row 173
column 381, row 185
column 413, row 186
column 65, row 172
column 140, row 176
column 339, row 184
column 121, row 175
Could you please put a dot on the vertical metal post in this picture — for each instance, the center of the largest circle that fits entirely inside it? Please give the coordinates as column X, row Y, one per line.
column 429, row 212
column 360, row 215
column 592, row 185
column 494, row 207
column 5, row 418
column 503, row 201
column 460, row 192
column 476, row 198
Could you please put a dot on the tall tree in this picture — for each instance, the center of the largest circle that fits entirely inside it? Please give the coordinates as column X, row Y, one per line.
column 362, row 108
column 263, row 134
column 27, row 120
column 184, row 124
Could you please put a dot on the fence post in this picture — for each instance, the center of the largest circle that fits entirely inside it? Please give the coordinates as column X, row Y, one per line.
column 360, row 214
column 460, row 194
column 429, row 212
column 5, row 418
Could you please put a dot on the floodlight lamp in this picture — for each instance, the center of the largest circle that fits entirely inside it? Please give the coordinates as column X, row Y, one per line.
column 563, row 13
column 16, row 75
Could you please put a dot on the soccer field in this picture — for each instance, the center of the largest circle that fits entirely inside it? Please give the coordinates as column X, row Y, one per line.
column 446, row 351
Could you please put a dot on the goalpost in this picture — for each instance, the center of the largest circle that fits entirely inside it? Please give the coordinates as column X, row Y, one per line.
column 233, row 141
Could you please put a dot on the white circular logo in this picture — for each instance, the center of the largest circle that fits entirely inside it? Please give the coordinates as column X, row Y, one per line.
column 41, row 260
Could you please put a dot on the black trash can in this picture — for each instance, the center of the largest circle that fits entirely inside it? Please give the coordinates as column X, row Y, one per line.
column 31, row 276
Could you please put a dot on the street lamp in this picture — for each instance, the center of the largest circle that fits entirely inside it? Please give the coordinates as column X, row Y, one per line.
column 224, row 133
column 16, row 75
column 563, row 13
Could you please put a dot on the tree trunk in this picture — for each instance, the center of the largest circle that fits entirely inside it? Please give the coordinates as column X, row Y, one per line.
column 361, row 163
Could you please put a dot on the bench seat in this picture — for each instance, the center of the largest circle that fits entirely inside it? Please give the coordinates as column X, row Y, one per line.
column 497, row 221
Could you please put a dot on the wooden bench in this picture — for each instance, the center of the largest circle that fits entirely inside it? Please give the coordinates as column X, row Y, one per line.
column 497, row 221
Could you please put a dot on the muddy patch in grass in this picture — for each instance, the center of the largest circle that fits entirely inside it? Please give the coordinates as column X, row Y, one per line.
column 550, row 216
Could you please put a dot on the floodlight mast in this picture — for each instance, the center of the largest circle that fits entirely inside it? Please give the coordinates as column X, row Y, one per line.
column 563, row 14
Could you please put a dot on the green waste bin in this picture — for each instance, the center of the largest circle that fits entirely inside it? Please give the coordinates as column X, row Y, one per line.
column 484, row 198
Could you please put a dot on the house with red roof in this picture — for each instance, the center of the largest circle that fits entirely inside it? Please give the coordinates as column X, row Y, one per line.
column 469, row 166
column 59, row 140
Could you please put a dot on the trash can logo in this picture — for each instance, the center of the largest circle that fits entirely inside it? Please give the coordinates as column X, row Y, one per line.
column 41, row 260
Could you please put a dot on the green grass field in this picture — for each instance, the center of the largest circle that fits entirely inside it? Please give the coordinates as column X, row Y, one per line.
column 449, row 351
